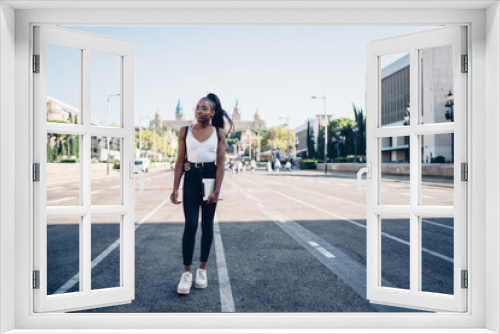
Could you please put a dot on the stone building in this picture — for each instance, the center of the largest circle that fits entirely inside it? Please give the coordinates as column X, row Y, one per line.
column 436, row 83
column 301, row 132
column 61, row 111
column 178, row 122
column 240, row 125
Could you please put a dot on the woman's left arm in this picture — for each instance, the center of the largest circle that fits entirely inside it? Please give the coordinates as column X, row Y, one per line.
column 221, row 160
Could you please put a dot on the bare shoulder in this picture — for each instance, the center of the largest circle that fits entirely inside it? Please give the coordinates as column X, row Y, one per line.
column 222, row 133
column 182, row 132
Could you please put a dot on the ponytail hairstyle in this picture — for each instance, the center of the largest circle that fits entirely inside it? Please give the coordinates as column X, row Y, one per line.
column 220, row 114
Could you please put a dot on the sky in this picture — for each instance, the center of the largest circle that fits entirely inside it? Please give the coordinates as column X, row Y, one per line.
column 273, row 69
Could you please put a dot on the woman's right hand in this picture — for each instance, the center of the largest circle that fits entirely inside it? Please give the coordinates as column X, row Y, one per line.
column 174, row 196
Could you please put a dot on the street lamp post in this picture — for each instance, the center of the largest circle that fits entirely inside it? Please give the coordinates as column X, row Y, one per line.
column 450, row 115
column 107, row 111
column 326, row 124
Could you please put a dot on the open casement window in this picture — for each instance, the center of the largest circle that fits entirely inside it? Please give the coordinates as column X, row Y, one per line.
column 70, row 220
column 416, row 114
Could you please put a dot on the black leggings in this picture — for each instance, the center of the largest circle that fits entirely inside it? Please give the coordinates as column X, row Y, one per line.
column 192, row 199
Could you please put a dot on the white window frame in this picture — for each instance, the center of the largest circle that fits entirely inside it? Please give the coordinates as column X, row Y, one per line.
column 414, row 296
column 483, row 212
column 123, row 50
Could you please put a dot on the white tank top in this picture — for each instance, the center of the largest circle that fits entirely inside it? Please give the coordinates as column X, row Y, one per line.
column 205, row 151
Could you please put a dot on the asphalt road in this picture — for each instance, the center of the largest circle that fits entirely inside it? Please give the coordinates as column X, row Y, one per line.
column 287, row 242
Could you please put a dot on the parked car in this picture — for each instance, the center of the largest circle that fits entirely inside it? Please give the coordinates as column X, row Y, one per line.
column 144, row 163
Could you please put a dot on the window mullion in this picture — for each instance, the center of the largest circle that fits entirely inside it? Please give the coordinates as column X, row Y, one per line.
column 414, row 164
column 85, row 163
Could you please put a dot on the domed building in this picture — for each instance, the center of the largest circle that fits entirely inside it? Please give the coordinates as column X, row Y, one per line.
column 179, row 121
column 240, row 125
column 179, row 118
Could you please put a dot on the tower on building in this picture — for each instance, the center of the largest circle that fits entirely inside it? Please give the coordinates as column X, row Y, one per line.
column 158, row 119
column 179, row 112
column 236, row 112
column 257, row 115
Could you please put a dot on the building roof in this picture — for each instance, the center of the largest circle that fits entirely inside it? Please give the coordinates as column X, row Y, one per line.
column 396, row 66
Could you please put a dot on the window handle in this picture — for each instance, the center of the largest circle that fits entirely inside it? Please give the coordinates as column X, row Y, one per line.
column 136, row 170
column 368, row 171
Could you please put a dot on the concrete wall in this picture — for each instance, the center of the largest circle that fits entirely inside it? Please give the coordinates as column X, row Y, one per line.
column 442, row 170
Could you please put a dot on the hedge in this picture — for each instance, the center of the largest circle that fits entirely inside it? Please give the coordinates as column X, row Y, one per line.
column 69, row 160
column 308, row 164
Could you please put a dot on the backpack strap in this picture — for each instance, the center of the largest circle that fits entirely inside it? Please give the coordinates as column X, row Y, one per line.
column 185, row 146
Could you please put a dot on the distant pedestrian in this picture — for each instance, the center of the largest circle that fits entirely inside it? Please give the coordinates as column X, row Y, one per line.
column 240, row 167
column 253, row 166
column 246, row 166
column 201, row 155
column 277, row 165
column 288, row 166
column 269, row 166
column 235, row 167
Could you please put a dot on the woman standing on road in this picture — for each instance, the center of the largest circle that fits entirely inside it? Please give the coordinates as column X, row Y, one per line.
column 201, row 155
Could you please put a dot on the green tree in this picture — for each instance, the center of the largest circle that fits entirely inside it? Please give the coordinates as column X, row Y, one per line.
column 74, row 144
column 320, row 152
column 346, row 139
column 310, row 142
column 278, row 137
column 360, row 120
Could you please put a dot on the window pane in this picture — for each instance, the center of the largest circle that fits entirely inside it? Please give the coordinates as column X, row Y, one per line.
column 395, row 257
column 105, row 171
column 63, row 84
column 437, row 254
column 394, row 88
column 63, row 169
column 63, row 254
column 437, row 170
column 395, row 170
column 105, row 252
column 105, row 89
column 436, row 75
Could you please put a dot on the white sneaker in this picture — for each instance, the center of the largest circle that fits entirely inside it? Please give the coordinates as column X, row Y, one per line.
column 201, row 279
column 185, row 284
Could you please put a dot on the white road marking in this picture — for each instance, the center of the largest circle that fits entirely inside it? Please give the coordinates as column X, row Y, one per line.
column 302, row 190
column 344, row 267
column 74, row 280
column 325, row 252
column 321, row 249
column 115, row 187
column 423, row 196
column 441, row 256
column 56, row 188
column 437, row 224
column 96, row 192
column 226, row 293
column 64, row 199
column 281, row 220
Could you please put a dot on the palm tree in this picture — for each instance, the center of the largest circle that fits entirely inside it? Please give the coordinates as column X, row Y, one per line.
column 360, row 120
